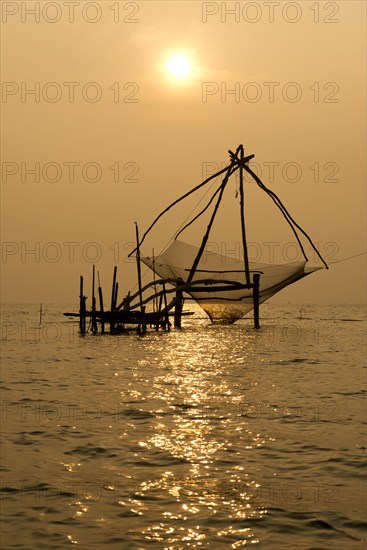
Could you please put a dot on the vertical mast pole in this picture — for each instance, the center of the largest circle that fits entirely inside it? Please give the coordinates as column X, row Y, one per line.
column 113, row 288
column 142, row 308
column 101, row 310
column 155, row 301
column 243, row 228
column 113, row 303
column 256, row 299
column 82, row 308
column 93, row 315
column 206, row 236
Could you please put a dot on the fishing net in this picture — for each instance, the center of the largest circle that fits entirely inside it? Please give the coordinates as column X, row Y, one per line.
column 217, row 275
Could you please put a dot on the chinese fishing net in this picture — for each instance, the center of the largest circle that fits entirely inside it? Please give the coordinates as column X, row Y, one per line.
column 216, row 272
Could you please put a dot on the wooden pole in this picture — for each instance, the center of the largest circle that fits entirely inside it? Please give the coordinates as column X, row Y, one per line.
column 142, row 309
column 256, row 297
column 155, row 301
column 143, row 322
column 127, row 302
column 113, row 287
column 82, row 300
column 138, row 262
column 113, row 304
column 159, row 312
column 206, row 236
column 166, row 323
column 115, row 296
column 178, row 307
column 101, row 309
column 243, row 228
column 93, row 313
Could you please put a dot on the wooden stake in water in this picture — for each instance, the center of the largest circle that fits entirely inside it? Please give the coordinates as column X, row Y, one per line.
column 178, row 307
column 142, row 308
column 82, row 308
column 93, row 313
column 113, row 303
column 101, row 309
column 155, row 301
column 41, row 311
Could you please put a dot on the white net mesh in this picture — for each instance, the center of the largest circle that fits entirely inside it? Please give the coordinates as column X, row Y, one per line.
column 216, row 272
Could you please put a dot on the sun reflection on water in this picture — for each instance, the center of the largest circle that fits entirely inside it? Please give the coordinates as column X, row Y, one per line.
column 201, row 427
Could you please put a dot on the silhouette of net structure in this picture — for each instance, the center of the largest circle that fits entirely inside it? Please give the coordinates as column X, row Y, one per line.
column 217, row 276
column 223, row 286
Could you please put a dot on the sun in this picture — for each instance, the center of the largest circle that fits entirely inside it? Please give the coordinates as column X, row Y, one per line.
column 179, row 66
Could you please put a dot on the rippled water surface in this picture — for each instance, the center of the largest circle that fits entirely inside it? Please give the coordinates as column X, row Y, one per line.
column 205, row 437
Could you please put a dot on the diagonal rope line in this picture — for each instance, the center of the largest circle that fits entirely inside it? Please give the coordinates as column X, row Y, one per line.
column 286, row 214
column 349, row 258
column 180, row 229
column 204, row 209
column 176, row 202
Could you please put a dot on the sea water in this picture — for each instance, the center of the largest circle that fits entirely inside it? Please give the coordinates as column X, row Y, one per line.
column 204, row 437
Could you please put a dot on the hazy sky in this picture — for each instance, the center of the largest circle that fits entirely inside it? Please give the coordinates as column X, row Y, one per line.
column 97, row 134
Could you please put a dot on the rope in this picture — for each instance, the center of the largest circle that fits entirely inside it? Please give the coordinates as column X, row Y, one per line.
column 181, row 228
column 203, row 210
column 230, row 169
column 349, row 258
column 177, row 201
column 206, row 236
column 286, row 214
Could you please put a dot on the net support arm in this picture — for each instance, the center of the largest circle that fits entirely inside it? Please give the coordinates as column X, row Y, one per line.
column 179, row 200
column 286, row 215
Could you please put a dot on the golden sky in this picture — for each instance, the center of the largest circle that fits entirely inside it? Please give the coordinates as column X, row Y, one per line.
column 101, row 128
